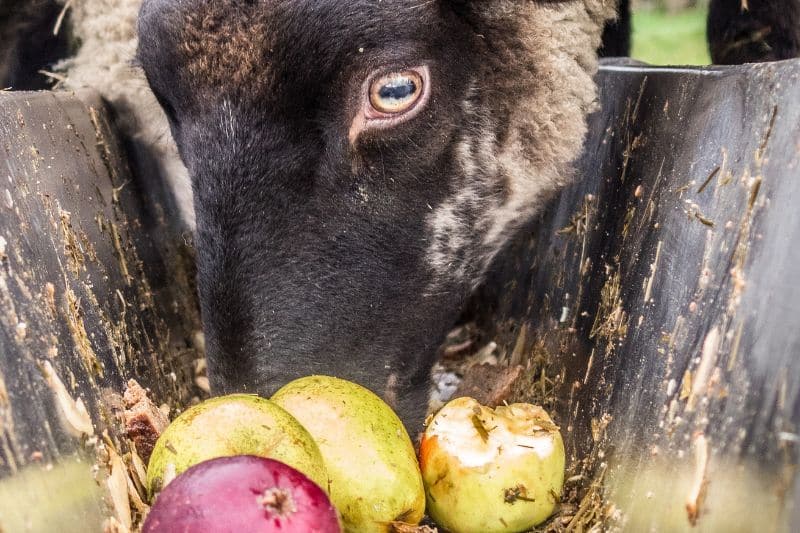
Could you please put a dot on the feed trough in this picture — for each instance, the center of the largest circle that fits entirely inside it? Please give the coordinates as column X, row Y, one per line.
column 655, row 304
column 652, row 308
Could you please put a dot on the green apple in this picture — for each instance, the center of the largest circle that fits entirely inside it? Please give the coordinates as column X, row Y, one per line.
column 491, row 470
column 239, row 424
column 373, row 472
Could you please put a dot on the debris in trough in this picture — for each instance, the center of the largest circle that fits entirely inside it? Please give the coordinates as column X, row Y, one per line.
column 144, row 421
column 401, row 527
column 697, row 494
column 489, row 384
column 73, row 414
column 117, row 485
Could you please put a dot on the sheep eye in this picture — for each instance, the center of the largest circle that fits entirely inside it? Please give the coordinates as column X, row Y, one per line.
column 390, row 99
column 396, row 92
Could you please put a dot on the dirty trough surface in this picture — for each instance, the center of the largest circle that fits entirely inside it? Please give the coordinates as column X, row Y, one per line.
column 652, row 310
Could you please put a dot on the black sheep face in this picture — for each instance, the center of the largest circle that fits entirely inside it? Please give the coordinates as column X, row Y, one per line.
column 356, row 165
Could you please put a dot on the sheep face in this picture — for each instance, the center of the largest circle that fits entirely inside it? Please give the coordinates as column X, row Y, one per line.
column 356, row 166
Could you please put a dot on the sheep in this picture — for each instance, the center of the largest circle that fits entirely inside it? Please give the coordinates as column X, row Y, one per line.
column 337, row 232
column 739, row 31
column 397, row 264
column 358, row 165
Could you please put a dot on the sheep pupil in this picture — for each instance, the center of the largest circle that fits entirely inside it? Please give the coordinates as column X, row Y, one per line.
column 399, row 89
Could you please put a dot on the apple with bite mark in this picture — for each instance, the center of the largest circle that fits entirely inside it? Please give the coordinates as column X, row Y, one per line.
column 491, row 470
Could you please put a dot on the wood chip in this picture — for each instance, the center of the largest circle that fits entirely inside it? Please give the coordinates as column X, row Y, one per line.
column 490, row 385
column 117, row 485
column 73, row 413
column 697, row 494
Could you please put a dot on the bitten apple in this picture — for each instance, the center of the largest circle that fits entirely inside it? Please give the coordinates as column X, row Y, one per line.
column 491, row 470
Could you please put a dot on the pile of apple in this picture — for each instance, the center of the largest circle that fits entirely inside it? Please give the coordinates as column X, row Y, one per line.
column 326, row 455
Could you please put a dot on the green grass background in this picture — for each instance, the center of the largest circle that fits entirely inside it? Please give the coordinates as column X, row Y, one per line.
column 660, row 38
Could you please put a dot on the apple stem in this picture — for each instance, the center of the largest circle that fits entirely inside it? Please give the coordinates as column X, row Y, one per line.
column 278, row 502
column 518, row 493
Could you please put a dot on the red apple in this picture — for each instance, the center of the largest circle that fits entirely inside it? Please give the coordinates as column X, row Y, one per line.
column 242, row 493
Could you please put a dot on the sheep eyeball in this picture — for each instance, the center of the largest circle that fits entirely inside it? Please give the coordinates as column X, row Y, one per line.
column 389, row 98
column 397, row 92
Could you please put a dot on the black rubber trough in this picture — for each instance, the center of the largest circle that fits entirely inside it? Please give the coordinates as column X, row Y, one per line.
column 657, row 302
column 95, row 289
column 654, row 308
